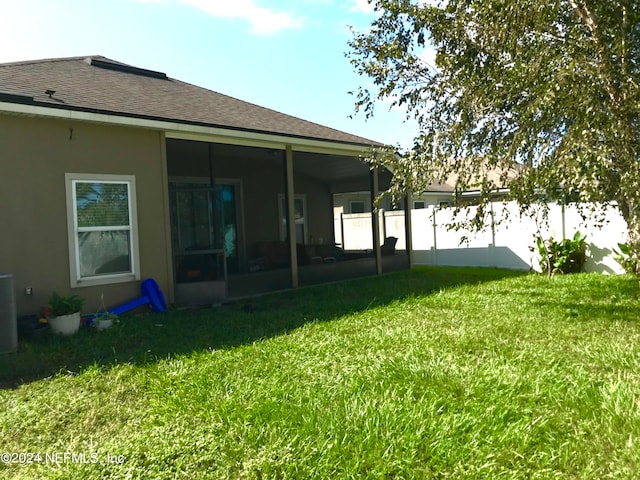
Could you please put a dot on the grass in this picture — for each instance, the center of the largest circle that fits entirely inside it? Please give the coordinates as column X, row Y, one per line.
column 432, row 373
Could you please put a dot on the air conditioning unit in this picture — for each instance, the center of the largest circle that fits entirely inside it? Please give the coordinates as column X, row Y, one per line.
column 8, row 320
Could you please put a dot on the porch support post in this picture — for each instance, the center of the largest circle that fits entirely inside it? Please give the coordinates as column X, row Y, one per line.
column 408, row 233
column 289, row 196
column 375, row 220
column 166, row 201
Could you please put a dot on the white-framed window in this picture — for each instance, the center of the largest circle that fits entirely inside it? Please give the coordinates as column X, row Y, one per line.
column 419, row 204
column 103, row 229
column 299, row 215
column 357, row 206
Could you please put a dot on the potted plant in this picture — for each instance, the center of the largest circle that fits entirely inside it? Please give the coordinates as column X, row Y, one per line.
column 104, row 320
column 65, row 313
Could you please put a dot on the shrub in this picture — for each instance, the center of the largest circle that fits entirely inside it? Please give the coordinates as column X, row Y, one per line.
column 625, row 258
column 61, row 305
column 565, row 256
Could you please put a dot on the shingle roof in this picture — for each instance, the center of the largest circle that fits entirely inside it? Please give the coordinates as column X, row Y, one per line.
column 483, row 172
column 98, row 84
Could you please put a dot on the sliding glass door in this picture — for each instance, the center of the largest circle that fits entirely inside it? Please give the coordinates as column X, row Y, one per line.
column 199, row 238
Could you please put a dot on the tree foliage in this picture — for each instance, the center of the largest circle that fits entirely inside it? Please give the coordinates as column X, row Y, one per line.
column 102, row 204
column 548, row 88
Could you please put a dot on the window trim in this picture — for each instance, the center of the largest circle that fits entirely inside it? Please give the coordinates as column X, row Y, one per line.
column 282, row 220
column 73, row 230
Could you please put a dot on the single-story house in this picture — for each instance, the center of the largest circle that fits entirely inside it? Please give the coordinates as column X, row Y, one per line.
column 112, row 174
column 438, row 194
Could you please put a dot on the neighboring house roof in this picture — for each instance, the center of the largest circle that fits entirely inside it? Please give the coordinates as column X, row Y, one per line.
column 492, row 174
column 99, row 85
column 437, row 187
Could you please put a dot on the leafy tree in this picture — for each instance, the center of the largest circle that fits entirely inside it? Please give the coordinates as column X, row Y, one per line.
column 548, row 89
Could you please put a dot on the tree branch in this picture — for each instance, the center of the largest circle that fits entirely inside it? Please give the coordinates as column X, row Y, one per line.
column 591, row 21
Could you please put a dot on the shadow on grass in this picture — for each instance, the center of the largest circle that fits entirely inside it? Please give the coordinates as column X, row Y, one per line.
column 145, row 338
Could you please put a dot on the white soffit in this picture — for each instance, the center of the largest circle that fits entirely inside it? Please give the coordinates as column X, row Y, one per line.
column 185, row 131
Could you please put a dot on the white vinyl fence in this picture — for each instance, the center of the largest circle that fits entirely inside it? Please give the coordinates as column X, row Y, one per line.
column 505, row 245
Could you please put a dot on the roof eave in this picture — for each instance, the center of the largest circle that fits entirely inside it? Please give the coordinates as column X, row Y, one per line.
column 190, row 130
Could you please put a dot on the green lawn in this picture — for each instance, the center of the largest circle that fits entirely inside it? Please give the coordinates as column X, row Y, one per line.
column 432, row 373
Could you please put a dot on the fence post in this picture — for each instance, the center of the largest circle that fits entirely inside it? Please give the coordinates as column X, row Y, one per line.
column 435, row 237
column 493, row 261
column 375, row 220
column 408, row 232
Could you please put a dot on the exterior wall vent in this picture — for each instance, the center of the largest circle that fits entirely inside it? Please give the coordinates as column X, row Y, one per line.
column 119, row 67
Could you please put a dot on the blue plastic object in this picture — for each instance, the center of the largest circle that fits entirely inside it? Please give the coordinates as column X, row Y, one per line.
column 151, row 294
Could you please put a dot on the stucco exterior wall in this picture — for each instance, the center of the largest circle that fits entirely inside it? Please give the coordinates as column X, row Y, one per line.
column 35, row 154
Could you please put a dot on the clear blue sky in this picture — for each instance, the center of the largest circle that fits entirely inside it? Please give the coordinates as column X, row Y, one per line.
column 283, row 54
